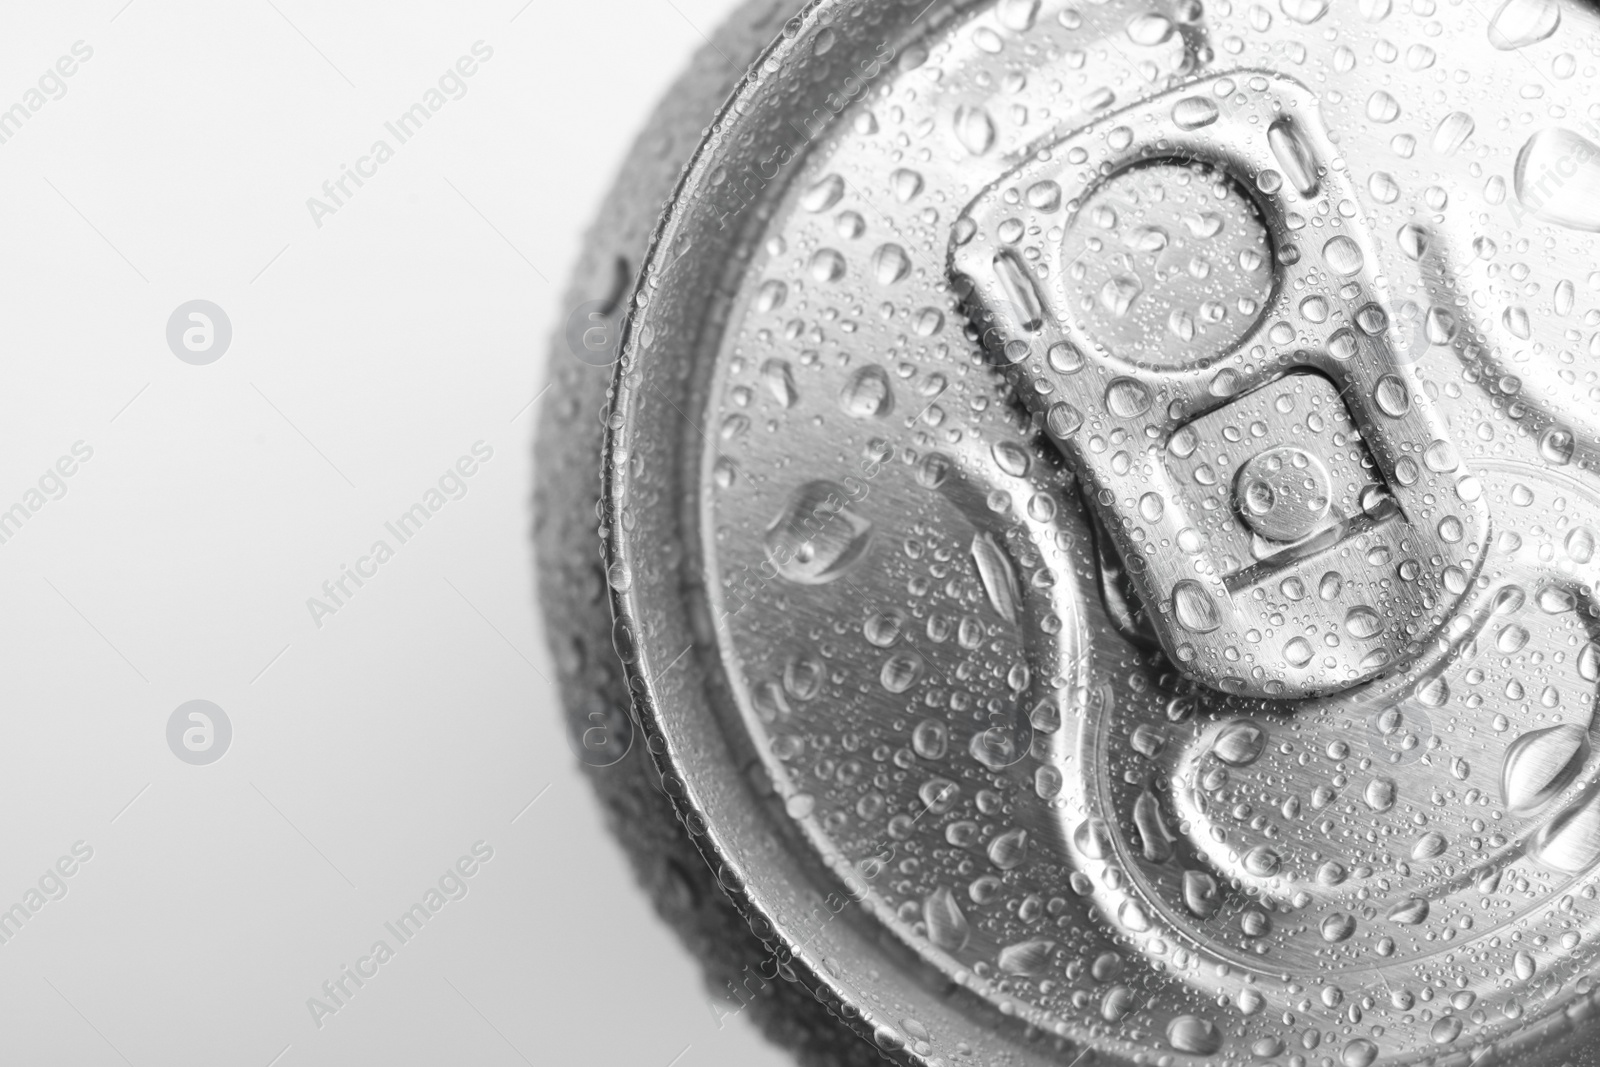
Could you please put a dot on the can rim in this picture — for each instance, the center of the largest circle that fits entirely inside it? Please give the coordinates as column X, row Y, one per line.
column 627, row 607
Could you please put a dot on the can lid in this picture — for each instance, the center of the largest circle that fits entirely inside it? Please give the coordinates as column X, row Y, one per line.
column 1102, row 525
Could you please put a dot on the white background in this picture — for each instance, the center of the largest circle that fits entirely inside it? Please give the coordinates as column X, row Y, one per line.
column 367, row 355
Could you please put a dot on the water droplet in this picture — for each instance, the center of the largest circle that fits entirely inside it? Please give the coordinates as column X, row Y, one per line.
column 890, row 264
column 1201, row 894
column 1409, row 912
column 974, row 129
column 1343, row 255
column 1127, row 398
column 1193, row 112
column 1062, row 420
column 1413, row 240
column 1093, row 839
column 996, row 573
column 1009, row 849
column 1452, row 132
column 1191, row 1033
column 1572, row 198
column 1044, row 196
column 824, row 194
column 1262, row 862
column 900, row 672
column 1294, row 155
column 1520, row 23
column 1571, row 841
column 1381, row 107
column 1018, row 15
column 868, row 393
column 817, row 536
column 1540, row 764
column 947, row 926
column 1359, row 1053
column 1429, row 846
column 779, row 379
column 1524, row 966
column 931, row 739
column 1027, row 959
column 1380, row 794
column 1557, row 446
column 1338, row 927
column 1153, row 833
column 771, row 296
column 1117, row 1003
column 1298, row 651
column 1194, row 607
column 1118, row 294
column 1580, row 544
column 827, row 265
column 1150, row 29
column 1511, row 638
column 1391, row 396
column 1363, row 623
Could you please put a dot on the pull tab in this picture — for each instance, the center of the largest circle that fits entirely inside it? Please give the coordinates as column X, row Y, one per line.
column 1186, row 293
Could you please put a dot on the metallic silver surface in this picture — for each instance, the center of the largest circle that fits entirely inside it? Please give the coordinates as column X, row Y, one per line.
column 1317, row 278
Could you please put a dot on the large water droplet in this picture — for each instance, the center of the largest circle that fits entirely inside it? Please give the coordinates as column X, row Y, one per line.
column 1193, row 112
column 1409, row 912
column 947, row 926
column 1540, row 764
column 1191, row 1033
column 827, row 265
column 1027, row 959
column 1557, row 178
column 1343, row 255
column 1520, row 23
column 1294, row 155
column 868, row 394
column 890, row 264
column 818, row 535
column 974, row 129
column 1153, row 833
column 779, row 379
column 1380, row 794
column 824, row 194
column 1452, row 132
column 1391, row 396
column 1430, row 846
column 1571, row 841
column 1009, row 849
column 1201, row 894
column 900, row 672
column 1194, row 607
column 997, row 575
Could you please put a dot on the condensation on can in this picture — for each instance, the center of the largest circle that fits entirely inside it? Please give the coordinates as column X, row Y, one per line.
column 1099, row 508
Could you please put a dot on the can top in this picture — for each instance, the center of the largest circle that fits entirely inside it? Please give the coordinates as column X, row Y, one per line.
column 1106, row 488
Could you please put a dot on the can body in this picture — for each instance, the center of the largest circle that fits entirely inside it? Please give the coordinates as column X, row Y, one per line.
column 1098, row 514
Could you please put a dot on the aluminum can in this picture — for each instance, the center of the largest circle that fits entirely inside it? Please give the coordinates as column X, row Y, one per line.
column 1097, row 516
